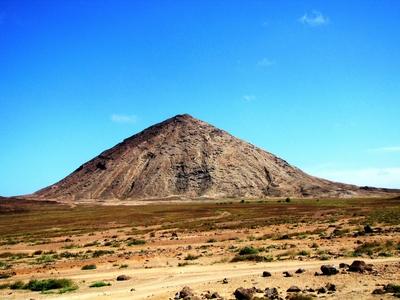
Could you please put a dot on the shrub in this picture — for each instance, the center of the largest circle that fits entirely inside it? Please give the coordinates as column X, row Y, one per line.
column 303, row 253
column 89, row 267
column 191, row 257
column 248, row 250
column 48, row 284
column 99, row 253
column 136, row 242
column 252, row 257
column 98, row 284
column 17, row 285
column 65, row 285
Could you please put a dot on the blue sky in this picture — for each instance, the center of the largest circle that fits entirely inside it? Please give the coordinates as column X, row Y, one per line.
column 314, row 82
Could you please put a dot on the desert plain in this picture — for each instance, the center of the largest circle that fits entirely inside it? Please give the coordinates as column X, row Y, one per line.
column 228, row 249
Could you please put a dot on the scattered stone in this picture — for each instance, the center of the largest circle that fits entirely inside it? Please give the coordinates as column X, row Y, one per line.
column 186, row 293
column 368, row 229
column 329, row 270
column 293, row 289
column 243, row 294
column 300, row 271
column 287, row 274
column 330, row 287
column 123, row 278
column 271, row 294
column 343, row 266
column 266, row 274
column 379, row 291
column 359, row 266
column 210, row 295
column 321, row 290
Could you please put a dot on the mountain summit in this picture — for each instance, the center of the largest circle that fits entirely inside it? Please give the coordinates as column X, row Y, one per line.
column 188, row 158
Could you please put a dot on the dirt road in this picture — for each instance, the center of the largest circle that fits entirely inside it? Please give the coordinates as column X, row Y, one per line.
column 162, row 283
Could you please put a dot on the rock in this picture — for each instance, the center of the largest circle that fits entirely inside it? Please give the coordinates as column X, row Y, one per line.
column 213, row 295
column 368, row 229
column 293, row 289
column 378, row 291
column 271, row 294
column 321, row 290
column 359, row 266
column 300, row 271
column 243, row 294
column 343, row 266
column 330, row 287
column 123, row 278
column 225, row 281
column 185, row 293
column 287, row 274
column 329, row 270
column 266, row 274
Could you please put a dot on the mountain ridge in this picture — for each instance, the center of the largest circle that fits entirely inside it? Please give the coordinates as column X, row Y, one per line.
column 187, row 158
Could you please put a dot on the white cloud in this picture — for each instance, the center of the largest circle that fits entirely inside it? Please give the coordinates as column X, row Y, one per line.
column 249, row 98
column 265, row 62
column 376, row 177
column 386, row 149
column 118, row 118
column 314, row 19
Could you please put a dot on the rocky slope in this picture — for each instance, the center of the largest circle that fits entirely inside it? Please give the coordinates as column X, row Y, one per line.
column 188, row 158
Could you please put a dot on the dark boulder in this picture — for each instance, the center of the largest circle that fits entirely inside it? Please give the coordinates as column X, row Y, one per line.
column 243, row 294
column 359, row 266
column 123, row 278
column 293, row 289
column 266, row 274
column 329, row 270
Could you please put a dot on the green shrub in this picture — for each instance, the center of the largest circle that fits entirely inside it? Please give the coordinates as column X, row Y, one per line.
column 89, row 267
column 48, row 284
column 248, row 250
column 99, row 253
column 252, row 257
column 303, row 253
column 191, row 257
column 17, row 285
column 136, row 242
column 98, row 284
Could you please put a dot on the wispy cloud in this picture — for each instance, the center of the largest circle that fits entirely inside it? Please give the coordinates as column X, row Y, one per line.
column 249, row 98
column 265, row 62
column 119, row 118
column 386, row 149
column 314, row 19
column 377, row 177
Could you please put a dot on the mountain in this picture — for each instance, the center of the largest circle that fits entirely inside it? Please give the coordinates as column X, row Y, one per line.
column 188, row 158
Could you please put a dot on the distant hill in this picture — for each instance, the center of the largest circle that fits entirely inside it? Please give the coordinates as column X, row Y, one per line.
column 187, row 158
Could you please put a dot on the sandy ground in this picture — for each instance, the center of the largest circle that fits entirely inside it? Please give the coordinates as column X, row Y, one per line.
column 163, row 283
